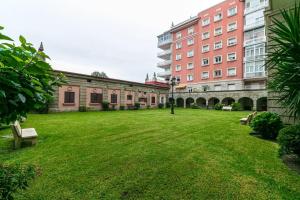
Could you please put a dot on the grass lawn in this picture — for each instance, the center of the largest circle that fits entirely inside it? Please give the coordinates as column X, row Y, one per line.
column 149, row 154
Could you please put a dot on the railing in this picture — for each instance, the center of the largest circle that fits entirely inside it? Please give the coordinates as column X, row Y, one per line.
column 258, row 7
column 164, row 74
column 164, row 63
column 254, row 75
column 255, row 41
column 164, row 42
column 164, row 53
column 254, row 25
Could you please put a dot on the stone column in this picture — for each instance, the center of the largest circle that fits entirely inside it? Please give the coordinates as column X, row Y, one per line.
column 254, row 104
column 184, row 102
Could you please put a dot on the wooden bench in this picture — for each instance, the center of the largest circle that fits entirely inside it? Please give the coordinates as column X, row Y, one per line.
column 247, row 120
column 227, row 108
column 23, row 135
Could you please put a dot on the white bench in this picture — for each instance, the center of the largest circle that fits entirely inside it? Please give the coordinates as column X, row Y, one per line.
column 227, row 108
column 247, row 120
column 23, row 135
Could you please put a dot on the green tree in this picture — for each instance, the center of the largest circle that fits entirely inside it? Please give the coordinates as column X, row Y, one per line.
column 27, row 81
column 284, row 59
column 99, row 74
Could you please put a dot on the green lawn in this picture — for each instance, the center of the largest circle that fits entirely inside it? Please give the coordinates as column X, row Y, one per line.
column 149, row 154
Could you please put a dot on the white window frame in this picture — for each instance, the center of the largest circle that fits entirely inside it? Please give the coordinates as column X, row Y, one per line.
column 230, row 68
column 205, row 38
column 229, row 45
column 215, row 19
column 215, row 74
column 205, row 77
column 229, row 54
column 218, row 43
column 202, row 62
column 178, row 35
column 229, row 30
column 191, row 30
column 190, row 53
column 204, row 21
column 178, row 45
column 178, row 56
column 188, row 65
column 189, row 75
column 215, row 33
column 203, row 51
column 190, row 41
column 178, row 68
column 215, row 59
column 228, row 11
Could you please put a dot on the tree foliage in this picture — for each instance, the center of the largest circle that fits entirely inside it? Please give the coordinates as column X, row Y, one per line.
column 27, row 81
column 284, row 59
column 99, row 74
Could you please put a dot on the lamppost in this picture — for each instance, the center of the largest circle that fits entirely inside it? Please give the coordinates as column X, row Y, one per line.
column 172, row 82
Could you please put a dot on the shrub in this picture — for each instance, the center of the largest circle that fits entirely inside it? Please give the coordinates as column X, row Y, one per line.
column 122, row 107
column 218, row 106
column 137, row 106
column 267, row 125
column 161, row 105
column 168, row 105
column 14, row 177
column 82, row 109
column 105, row 105
column 236, row 106
column 148, row 106
column 289, row 140
column 195, row 106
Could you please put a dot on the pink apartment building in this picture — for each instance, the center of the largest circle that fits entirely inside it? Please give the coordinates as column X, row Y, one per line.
column 206, row 53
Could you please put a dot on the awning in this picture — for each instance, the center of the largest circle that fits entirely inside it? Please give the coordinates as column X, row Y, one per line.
column 180, row 86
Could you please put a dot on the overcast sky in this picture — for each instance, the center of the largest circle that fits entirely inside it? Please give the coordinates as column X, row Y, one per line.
column 114, row 36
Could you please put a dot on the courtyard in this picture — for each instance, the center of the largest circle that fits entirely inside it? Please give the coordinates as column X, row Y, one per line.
column 150, row 154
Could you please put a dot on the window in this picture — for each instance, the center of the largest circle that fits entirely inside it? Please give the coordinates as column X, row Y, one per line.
column 190, row 53
column 96, row 98
column 178, row 35
column 152, row 100
column 190, row 77
column 232, row 11
column 205, row 61
column 231, row 57
column 231, row 87
column 69, row 97
column 113, row 98
column 218, row 87
column 232, row 26
column 205, row 75
column 218, row 73
column 190, row 41
column 129, row 97
column 232, row 41
column 218, row 17
column 178, row 68
column 143, row 100
column 205, row 35
column 218, row 45
column 205, row 48
column 218, row 31
column 191, row 30
column 231, row 71
column 217, row 59
column 178, row 45
column 205, row 22
column 178, row 78
column 178, row 56
column 190, row 65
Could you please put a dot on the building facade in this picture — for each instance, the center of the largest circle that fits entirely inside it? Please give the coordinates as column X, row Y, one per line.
column 90, row 92
column 208, row 54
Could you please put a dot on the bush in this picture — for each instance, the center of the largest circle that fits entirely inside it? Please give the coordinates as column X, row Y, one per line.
column 236, row 106
column 137, row 106
column 14, row 177
column 195, row 106
column 161, row 105
column 168, row 105
column 218, row 106
column 289, row 140
column 105, row 105
column 82, row 109
column 122, row 107
column 148, row 106
column 267, row 125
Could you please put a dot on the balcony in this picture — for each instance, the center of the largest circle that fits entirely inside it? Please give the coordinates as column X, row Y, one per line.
column 254, row 58
column 164, row 41
column 164, row 74
column 255, row 75
column 166, row 55
column 255, row 25
column 164, row 64
column 255, row 41
column 255, row 8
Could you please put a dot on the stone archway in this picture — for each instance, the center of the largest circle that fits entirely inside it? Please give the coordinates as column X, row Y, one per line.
column 228, row 101
column 262, row 104
column 246, row 103
column 189, row 102
column 180, row 102
column 212, row 102
column 201, row 102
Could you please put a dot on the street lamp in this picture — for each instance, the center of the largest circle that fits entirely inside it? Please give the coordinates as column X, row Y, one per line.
column 172, row 82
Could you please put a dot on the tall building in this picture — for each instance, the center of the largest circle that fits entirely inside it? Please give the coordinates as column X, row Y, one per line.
column 214, row 63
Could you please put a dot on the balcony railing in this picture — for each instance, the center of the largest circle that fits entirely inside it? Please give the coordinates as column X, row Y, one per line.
column 255, row 41
column 254, row 25
column 258, row 7
column 164, row 53
column 164, row 74
column 164, row 64
column 164, row 42
column 254, row 75
column 254, row 58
